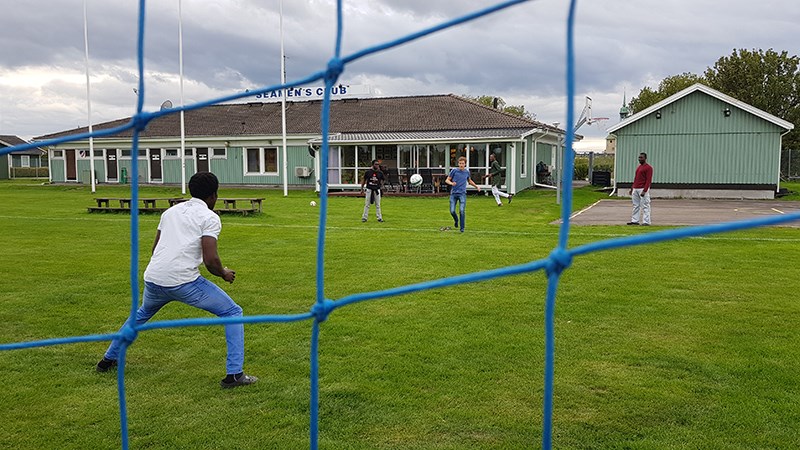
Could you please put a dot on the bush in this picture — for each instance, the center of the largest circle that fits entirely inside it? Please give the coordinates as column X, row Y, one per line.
column 602, row 163
column 581, row 169
column 30, row 172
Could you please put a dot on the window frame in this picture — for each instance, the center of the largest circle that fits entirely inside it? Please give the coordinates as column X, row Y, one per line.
column 262, row 161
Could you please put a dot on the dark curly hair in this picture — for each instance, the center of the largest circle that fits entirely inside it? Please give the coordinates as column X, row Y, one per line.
column 203, row 185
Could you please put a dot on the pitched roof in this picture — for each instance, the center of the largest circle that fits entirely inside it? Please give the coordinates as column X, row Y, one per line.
column 431, row 113
column 712, row 92
column 11, row 140
column 417, row 136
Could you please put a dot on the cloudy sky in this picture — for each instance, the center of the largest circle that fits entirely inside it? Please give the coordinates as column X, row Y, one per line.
column 232, row 45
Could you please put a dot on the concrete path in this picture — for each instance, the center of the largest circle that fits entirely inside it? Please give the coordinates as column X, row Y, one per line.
column 684, row 212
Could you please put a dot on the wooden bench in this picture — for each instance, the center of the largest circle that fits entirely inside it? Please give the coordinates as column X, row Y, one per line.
column 230, row 204
column 104, row 202
column 125, row 210
column 150, row 205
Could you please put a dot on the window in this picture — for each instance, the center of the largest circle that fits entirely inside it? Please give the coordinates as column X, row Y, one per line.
column 523, row 172
column 58, row 153
column 142, row 153
column 261, row 160
column 170, row 152
column 220, row 153
column 26, row 160
column 98, row 153
column 126, row 153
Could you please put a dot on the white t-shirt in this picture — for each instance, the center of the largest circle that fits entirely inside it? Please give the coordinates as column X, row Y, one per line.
column 179, row 251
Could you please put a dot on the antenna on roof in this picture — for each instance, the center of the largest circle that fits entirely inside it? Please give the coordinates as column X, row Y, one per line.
column 166, row 105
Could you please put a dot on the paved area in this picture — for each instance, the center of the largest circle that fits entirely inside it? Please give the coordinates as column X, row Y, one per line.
column 685, row 212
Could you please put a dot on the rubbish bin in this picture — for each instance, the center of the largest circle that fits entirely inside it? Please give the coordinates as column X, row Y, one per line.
column 123, row 175
column 601, row 178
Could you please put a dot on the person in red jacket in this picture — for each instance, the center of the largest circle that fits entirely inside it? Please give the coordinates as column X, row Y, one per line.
column 640, row 191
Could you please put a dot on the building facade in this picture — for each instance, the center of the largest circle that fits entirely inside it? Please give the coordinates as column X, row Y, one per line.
column 702, row 144
column 24, row 163
column 243, row 143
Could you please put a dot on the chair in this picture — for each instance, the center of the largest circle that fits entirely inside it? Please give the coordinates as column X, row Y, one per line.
column 543, row 173
column 427, row 180
column 410, row 171
column 393, row 180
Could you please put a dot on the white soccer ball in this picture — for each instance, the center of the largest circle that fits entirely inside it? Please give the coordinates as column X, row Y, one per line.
column 416, row 179
column 313, row 203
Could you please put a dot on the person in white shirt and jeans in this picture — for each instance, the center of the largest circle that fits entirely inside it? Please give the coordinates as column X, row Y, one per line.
column 186, row 237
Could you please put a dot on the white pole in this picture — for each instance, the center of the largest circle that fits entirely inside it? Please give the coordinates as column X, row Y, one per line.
column 283, row 111
column 183, row 132
column 88, row 91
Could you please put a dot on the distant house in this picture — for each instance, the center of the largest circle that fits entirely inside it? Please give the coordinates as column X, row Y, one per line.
column 702, row 144
column 242, row 143
column 28, row 160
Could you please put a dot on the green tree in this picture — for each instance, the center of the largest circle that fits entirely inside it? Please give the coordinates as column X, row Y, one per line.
column 669, row 86
column 500, row 104
column 768, row 80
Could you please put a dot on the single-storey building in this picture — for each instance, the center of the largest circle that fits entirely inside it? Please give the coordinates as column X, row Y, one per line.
column 702, row 144
column 242, row 143
column 20, row 162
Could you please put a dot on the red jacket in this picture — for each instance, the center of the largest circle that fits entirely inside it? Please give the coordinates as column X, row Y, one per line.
column 643, row 177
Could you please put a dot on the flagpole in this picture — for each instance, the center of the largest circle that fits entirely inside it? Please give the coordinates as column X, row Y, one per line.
column 88, row 91
column 183, row 129
column 283, row 110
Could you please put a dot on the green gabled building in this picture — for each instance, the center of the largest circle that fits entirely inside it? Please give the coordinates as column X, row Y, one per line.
column 702, row 144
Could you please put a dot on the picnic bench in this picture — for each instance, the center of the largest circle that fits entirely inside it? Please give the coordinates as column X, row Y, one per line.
column 149, row 204
column 230, row 204
column 159, row 204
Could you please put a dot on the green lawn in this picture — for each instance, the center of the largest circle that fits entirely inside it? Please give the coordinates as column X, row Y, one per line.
column 686, row 345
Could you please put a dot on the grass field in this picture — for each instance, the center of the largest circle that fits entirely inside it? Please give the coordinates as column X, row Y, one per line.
column 682, row 345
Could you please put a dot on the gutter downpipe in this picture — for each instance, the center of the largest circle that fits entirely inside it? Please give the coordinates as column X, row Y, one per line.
column 614, row 189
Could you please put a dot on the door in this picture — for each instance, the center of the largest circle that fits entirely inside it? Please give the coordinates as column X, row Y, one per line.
column 72, row 165
column 111, row 165
column 155, row 164
column 202, row 160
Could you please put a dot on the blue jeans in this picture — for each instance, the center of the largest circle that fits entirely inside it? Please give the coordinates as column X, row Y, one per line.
column 461, row 198
column 199, row 293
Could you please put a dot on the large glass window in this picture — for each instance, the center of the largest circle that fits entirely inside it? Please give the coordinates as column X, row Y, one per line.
column 262, row 160
column 456, row 151
column 405, row 157
column 334, row 170
column 438, row 155
column 271, row 160
column 355, row 159
column 387, row 154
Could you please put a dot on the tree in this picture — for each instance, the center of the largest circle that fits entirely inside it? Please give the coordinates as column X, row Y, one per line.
column 768, row 80
column 499, row 104
column 668, row 86
column 520, row 112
